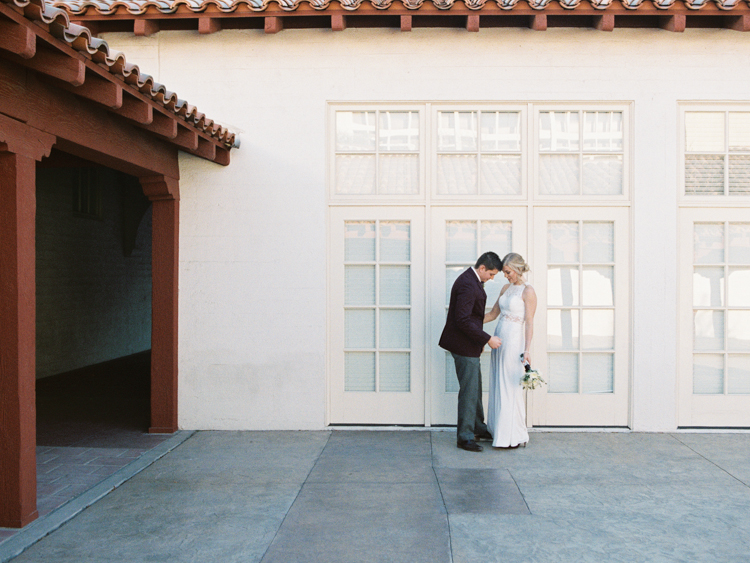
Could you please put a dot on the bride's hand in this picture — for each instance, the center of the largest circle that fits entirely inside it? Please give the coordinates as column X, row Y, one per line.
column 526, row 358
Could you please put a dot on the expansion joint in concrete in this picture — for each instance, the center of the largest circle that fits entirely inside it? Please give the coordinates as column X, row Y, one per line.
column 302, row 486
column 711, row 462
column 442, row 497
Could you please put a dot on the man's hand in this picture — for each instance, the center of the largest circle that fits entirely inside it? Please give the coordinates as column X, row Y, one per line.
column 494, row 342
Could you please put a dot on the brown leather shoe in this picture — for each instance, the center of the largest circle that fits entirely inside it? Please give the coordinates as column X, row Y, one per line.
column 470, row 446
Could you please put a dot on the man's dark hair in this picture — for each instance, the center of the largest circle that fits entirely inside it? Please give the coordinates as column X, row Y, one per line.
column 490, row 261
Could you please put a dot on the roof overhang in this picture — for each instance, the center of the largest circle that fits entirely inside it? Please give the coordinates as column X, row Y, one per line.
column 145, row 17
column 66, row 57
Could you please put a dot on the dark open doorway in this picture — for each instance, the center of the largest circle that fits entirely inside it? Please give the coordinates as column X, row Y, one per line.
column 93, row 329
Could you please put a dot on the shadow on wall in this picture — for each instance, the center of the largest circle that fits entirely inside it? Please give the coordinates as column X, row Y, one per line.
column 93, row 266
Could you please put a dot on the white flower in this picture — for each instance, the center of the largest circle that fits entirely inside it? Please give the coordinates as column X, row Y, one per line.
column 531, row 380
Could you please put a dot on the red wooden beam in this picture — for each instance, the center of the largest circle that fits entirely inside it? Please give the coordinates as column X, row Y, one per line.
column 538, row 22
column 222, row 156
column 405, row 23
column 17, row 39
column 164, row 194
column 674, row 23
column 208, row 25
column 472, row 22
column 136, row 110
column 273, row 24
column 187, row 138
column 605, row 22
column 19, row 138
column 56, row 64
column 144, row 28
column 107, row 93
column 162, row 125
column 739, row 23
column 338, row 22
column 86, row 130
column 205, row 150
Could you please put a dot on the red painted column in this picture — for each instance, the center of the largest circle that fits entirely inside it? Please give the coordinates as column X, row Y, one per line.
column 20, row 147
column 17, row 339
column 164, row 195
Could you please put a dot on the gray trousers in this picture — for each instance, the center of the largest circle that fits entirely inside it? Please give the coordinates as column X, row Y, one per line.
column 470, row 410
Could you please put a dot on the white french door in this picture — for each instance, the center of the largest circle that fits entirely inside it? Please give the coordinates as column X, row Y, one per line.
column 581, row 329
column 459, row 235
column 714, row 377
column 417, row 192
column 376, row 315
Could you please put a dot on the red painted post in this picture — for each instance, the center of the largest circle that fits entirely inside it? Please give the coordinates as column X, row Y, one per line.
column 17, row 339
column 164, row 195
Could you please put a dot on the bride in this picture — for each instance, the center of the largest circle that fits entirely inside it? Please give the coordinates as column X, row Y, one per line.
column 516, row 305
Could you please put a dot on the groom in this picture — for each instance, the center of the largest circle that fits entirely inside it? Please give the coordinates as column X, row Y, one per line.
column 464, row 338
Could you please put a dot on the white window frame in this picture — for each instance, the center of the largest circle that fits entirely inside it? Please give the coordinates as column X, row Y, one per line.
column 627, row 150
column 720, row 200
column 522, row 108
column 529, row 202
column 722, row 410
column 529, row 153
column 376, row 198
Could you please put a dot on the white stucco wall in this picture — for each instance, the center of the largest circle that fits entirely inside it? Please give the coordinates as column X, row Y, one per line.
column 253, row 235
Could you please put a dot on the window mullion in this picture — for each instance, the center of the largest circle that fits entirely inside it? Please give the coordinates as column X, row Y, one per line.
column 725, row 305
column 726, row 153
column 580, row 153
column 377, row 154
column 377, row 305
column 478, row 152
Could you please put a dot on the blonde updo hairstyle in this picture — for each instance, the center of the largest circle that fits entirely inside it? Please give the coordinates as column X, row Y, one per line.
column 516, row 263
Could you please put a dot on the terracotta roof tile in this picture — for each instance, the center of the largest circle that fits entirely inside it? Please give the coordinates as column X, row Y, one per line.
column 81, row 40
column 136, row 7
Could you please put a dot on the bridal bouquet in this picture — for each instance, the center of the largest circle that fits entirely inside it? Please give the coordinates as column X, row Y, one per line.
column 531, row 379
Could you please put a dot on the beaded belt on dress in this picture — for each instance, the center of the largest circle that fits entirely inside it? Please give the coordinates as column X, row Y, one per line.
column 511, row 318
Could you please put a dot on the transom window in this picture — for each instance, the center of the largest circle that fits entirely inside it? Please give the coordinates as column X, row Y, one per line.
column 581, row 153
column 479, row 152
column 377, row 152
column 489, row 151
column 717, row 153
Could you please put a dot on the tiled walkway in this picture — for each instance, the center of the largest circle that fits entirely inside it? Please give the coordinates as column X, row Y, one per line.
column 65, row 473
column 90, row 423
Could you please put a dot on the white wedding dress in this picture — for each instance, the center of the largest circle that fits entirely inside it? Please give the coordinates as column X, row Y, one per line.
column 506, row 412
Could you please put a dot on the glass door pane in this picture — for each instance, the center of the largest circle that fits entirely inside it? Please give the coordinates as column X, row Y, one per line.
column 580, row 315
column 460, row 236
column 714, row 385
column 582, row 323
column 377, row 332
column 721, row 306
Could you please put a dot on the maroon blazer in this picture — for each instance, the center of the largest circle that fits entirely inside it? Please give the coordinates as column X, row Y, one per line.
column 463, row 334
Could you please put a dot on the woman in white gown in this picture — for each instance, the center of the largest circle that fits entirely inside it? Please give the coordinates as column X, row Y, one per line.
column 506, row 413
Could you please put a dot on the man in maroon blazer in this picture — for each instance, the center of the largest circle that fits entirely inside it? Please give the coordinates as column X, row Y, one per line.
column 464, row 338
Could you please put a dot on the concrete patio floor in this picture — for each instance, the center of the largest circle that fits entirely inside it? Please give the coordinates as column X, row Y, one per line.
column 412, row 496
